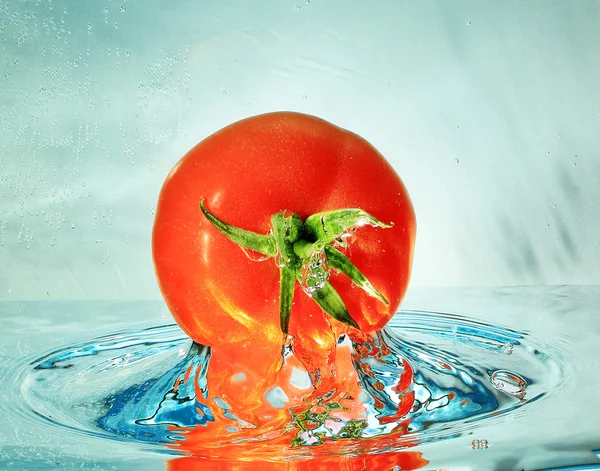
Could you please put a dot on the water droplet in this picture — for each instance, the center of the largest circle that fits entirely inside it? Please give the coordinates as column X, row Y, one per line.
column 507, row 348
column 314, row 272
column 479, row 444
column 254, row 255
column 510, row 383
column 456, row 161
column 346, row 239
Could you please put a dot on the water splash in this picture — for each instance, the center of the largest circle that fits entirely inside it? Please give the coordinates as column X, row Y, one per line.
column 150, row 386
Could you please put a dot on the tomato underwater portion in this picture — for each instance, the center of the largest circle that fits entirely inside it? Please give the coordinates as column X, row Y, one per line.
column 224, row 296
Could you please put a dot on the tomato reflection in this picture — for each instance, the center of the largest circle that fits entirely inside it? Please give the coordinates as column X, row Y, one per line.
column 250, row 432
column 405, row 460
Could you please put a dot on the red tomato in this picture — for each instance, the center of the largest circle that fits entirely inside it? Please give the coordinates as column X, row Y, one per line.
column 247, row 172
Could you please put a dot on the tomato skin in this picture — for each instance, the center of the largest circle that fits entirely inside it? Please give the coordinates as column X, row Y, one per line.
column 247, row 172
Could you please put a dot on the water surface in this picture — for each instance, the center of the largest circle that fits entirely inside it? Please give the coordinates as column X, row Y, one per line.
column 553, row 348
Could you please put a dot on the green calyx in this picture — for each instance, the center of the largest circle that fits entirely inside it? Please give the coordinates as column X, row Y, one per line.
column 305, row 252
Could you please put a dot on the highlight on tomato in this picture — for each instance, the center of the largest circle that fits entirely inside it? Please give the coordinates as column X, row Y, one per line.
column 279, row 233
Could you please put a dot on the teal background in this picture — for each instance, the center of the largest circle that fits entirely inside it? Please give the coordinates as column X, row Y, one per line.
column 489, row 111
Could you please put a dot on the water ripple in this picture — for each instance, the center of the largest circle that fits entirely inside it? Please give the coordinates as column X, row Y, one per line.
column 120, row 386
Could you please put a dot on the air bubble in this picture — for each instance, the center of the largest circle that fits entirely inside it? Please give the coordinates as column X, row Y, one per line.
column 456, row 161
column 122, row 8
column 508, row 382
column 297, row 7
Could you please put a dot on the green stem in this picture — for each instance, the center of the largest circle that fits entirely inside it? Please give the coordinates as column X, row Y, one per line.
column 305, row 260
column 329, row 299
column 304, row 249
column 339, row 262
column 287, row 281
column 331, row 225
column 264, row 244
